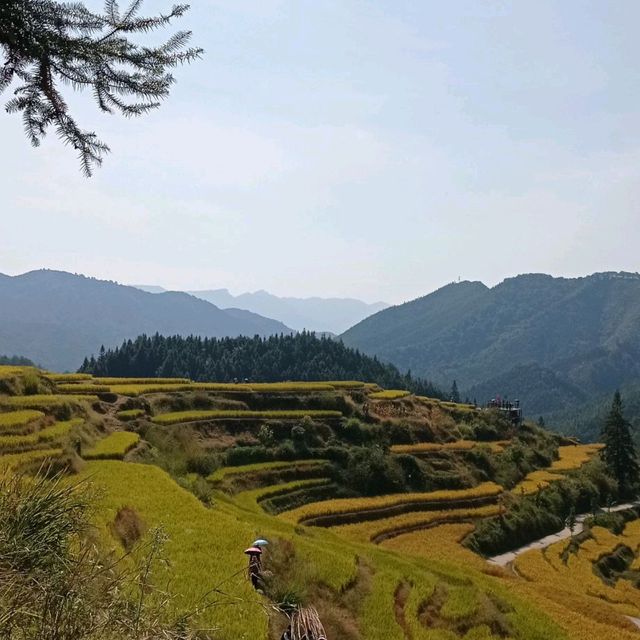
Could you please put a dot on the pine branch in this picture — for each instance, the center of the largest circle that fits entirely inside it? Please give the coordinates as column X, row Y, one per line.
column 45, row 43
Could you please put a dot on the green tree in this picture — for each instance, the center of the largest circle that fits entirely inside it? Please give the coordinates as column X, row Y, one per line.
column 571, row 520
column 455, row 394
column 619, row 452
column 47, row 44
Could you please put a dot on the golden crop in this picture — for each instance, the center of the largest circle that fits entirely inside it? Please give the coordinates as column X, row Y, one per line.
column 81, row 387
column 177, row 417
column 570, row 457
column 252, row 498
column 114, row 446
column 68, row 377
column 459, row 445
column 225, row 472
column 55, row 432
column 574, row 456
column 385, row 530
column 15, row 461
column 130, row 414
column 43, row 402
column 18, row 421
column 389, row 394
column 136, row 389
column 351, row 505
column 440, row 541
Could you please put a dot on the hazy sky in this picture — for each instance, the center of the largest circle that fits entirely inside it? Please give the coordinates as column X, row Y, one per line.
column 371, row 149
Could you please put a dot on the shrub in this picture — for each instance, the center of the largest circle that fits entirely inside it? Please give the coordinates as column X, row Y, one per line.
column 203, row 464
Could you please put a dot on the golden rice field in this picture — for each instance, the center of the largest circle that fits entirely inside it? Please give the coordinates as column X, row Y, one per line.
column 81, row 387
column 441, row 541
column 258, row 467
column 18, row 421
column 458, row 445
column 573, row 584
column 446, row 586
column 252, row 498
column 570, row 457
column 11, row 371
column 320, row 556
column 574, row 456
column 176, row 417
column 152, row 381
column 210, row 549
column 381, row 529
column 136, row 389
column 54, row 432
column 114, row 446
column 44, row 402
column 389, row 394
column 358, row 505
column 130, row 414
column 16, row 461
column 68, row 377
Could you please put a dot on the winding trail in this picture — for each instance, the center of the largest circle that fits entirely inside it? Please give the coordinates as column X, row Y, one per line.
column 504, row 559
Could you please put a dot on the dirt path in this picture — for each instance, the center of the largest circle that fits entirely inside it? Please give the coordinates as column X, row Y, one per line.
column 504, row 559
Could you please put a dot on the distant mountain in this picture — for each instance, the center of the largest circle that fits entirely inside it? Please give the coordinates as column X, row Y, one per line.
column 330, row 315
column 556, row 343
column 57, row 318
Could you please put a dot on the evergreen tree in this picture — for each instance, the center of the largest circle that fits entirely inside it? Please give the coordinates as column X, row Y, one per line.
column 455, row 394
column 619, row 452
column 301, row 356
column 47, row 43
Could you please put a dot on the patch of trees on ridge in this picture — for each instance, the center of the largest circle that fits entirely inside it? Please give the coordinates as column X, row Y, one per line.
column 303, row 356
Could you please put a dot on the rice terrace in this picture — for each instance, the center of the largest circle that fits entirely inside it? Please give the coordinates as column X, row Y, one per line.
column 380, row 508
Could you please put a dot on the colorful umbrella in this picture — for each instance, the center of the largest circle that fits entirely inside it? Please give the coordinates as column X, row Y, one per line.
column 253, row 550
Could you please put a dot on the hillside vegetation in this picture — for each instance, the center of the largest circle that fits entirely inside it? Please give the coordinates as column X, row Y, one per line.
column 303, row 356
column 554, row 343
column 372, row 503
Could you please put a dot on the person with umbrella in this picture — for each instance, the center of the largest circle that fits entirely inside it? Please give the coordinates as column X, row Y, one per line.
column 255, row 565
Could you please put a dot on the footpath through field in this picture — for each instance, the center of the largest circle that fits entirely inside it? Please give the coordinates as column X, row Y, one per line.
column 504, row 559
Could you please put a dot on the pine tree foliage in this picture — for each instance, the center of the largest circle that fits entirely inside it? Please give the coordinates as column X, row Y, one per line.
column 455, row 393
column 619, row 452
column 48, row 44
column 302, row 356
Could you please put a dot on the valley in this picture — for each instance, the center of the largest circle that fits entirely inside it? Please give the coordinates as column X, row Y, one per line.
column 380, row 506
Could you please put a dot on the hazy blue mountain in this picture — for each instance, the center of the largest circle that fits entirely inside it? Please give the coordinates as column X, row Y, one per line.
column 554, row 342
column 57, row 318
column 330, row 315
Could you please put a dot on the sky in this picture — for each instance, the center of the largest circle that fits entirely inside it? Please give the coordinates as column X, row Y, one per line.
column 376, row 150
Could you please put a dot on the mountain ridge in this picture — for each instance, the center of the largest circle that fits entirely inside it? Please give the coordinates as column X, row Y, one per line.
column 312, row 313
column 584, row 331
column 56, row 318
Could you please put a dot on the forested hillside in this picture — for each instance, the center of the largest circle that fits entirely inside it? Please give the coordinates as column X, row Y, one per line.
column 56, row 318
column 555, row 343
column 303, row 356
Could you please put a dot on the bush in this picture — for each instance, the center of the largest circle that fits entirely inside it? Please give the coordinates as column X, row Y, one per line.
column 204, row 464
column 370, row 472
